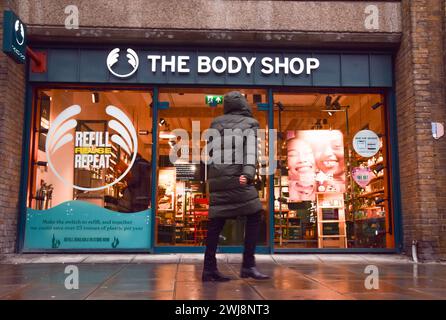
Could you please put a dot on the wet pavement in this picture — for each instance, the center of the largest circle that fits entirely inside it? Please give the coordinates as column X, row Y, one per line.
column 294, row 277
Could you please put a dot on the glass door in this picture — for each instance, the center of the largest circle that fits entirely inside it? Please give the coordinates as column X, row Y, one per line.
column 182, row 196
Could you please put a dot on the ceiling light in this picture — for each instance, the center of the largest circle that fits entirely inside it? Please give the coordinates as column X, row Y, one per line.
column 95, row 97
column 167, row 135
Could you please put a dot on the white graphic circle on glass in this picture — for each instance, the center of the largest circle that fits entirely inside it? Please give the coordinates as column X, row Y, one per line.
column 366, row 143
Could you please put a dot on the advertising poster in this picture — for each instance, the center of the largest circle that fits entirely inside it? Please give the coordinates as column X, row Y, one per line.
column 82, row 225
column 315, row 163
column 92, row 184
column 366, row 143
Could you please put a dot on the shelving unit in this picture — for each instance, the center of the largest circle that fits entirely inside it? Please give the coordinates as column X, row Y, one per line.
column 331, row 224
column 200, row 213
column 368, row 219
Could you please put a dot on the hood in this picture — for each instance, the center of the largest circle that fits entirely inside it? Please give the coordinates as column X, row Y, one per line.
column 235, row 103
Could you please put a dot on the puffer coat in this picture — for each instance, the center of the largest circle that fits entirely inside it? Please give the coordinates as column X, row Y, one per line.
column 228, row 198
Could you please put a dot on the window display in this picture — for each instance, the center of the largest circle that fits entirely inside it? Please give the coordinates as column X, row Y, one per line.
column 90, row 173
column 332, row 190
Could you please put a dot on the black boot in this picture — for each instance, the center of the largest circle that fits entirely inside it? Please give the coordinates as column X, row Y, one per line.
column 213, row 276
column 253, row 273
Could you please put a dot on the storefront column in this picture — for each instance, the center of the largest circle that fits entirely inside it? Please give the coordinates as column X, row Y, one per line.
column 421, row 101
column 12, row 106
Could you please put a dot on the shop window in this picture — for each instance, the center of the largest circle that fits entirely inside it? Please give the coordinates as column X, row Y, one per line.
column 90, row 170
column 332, row 186
column 183, row 200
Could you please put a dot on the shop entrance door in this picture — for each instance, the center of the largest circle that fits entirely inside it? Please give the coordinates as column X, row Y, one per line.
column 182, row 201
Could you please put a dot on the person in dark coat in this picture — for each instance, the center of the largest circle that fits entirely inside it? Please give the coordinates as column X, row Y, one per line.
column 139, row 184
column 231, row 188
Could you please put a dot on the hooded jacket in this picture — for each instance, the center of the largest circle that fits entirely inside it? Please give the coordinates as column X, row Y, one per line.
column 228, row 198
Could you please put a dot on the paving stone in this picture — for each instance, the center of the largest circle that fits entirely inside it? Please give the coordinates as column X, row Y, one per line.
column 344, row 258
column 61, row 258
column 296, row 258
column 110, row 258
column 156, row 258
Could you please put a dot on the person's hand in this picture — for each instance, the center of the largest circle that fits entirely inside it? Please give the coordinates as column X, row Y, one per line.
column 243, row 180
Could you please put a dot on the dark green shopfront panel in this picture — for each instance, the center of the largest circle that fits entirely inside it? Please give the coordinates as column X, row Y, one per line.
column 335, row 70
column 381, row 70
column 329, row 72
column 355, row 70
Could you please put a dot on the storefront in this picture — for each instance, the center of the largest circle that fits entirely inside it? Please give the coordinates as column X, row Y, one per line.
column 103, row 124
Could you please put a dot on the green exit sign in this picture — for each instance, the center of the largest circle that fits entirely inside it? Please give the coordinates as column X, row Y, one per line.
column 14, row 36
column 214, row 100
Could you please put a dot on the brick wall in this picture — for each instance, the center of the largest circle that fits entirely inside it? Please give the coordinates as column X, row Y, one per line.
column 12, row 88
column 420, row 101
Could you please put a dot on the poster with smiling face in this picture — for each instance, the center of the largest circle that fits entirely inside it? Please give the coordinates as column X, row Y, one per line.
column 315, row 163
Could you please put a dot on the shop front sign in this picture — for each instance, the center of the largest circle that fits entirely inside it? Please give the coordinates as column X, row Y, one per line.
column 204, row 64
column 183, row 66
column 14, row 37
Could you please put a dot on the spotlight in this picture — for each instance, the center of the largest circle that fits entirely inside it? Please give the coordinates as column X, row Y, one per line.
column 330, row 113
column 162, row 122
column 377, row 105
column 95, row 97
column 336, row 102
column 41, row 163
column 257, row 98
column 379, row 201
column 379, row 167
column 280, row 105
column 328, row 101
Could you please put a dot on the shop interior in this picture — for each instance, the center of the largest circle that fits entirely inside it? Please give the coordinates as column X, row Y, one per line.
column 326, row 194
column 183, row 201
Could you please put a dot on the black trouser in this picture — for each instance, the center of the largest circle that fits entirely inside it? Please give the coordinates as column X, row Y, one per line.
column 251, row 232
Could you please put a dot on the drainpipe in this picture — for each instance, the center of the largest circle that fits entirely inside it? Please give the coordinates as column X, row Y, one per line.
column 414, row 251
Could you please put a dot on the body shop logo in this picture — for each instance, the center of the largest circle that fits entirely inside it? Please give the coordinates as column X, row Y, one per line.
column 19, row 32
column 132, row 60
column 92, row 149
